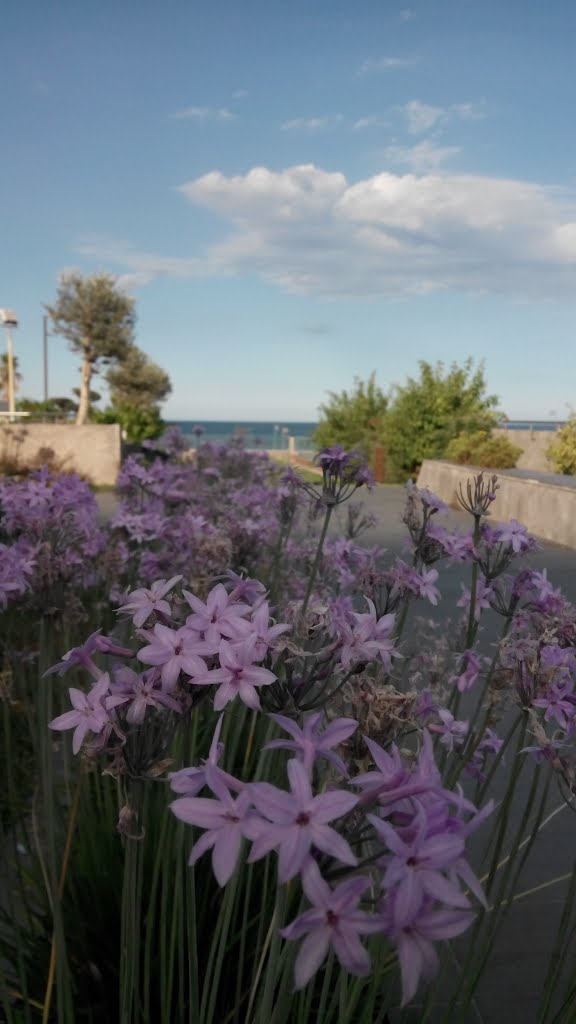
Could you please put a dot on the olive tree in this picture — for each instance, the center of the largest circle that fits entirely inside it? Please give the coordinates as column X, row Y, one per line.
column 137, row 381
column 97, row 318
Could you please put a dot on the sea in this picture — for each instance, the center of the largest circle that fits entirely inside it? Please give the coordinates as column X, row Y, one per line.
column 274, row 436
column 254, row 434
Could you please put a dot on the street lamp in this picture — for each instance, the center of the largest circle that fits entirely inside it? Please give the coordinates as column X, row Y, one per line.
column 9, row 320
column 45, row 334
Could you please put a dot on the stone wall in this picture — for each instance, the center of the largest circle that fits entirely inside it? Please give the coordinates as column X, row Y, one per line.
column 547, row 509
column 93, row 450
column 533, row 444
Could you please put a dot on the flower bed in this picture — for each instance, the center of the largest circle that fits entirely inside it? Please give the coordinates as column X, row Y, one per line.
column 276, row 803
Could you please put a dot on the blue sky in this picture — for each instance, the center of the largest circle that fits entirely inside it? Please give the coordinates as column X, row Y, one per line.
column 298, row 193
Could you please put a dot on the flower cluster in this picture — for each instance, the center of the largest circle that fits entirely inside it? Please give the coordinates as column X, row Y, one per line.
column 220, row 645
column 197, row 517
column 403, row 831
column 51, row 543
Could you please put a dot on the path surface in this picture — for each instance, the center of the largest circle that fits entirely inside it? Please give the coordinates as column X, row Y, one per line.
column 511, row 994
column 518, row 966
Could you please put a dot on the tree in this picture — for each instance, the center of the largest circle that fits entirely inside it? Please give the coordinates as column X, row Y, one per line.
column 428, row 412
column 138, row 422
column 4, row 374
column 97, row 318
column 355, row 419
column 94, row 396
column 137, row 381
column 61, row 407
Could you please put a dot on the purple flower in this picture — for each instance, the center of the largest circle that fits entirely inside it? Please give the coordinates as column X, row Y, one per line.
column 89, row 714
column 309, row 743
column 141, row 603
column 224, row 819
column 369, row 638
column 425, row 705
column 238, row 676
column 540, row 583
column 333, row 921
column 342, row 473
column 391, row 778
column 298, row 821
column 514, row 534
column 452, row 731
column 266, row 635
column 219, row 618
column 83, row 655
column 469, row 671
column 190, row 781
column 559, row 703
column 414, row 940
column 425, row 581
column 483, row 595
column 459, row 547
column 143, row 692
column 414, row 868
column 176, row 650
column 244, row 589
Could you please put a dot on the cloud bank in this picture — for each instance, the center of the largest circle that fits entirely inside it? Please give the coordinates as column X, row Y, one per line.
column 309, row 230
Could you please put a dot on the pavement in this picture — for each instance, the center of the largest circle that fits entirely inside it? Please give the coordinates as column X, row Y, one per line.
column 513, row 984
column 511, row 988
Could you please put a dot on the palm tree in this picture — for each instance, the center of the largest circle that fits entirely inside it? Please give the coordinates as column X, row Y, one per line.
column 4, row 375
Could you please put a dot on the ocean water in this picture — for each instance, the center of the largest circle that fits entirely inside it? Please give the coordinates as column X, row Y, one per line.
column 254, row 434
column 275, row 436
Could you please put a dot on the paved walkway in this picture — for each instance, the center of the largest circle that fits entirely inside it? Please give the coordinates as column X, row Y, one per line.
column 509, row 995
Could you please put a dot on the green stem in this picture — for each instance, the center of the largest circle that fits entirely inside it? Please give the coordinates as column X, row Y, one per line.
column 317, row 557
column 472, row 624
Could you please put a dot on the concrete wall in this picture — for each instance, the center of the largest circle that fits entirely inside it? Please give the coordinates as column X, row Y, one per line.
column 92, row 450
column 548, row 510
column 534, row 444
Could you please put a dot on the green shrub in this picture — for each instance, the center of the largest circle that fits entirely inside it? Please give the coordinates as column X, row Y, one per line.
column 481, row 448
column 429, row 411
column 353, row 419
column 140, row 424
column 562, row 451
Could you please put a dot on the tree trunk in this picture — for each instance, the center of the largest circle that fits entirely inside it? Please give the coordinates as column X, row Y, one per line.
column 84, row 400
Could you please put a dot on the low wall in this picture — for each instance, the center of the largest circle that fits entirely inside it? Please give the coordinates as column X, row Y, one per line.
column 548, row 510
column 92, row 450
column 533, row 444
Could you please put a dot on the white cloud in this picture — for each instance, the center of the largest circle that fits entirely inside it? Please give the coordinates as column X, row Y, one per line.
column 312, row 124
column 424, row 156
column 311, row 231
column 240, row 94
column 407, row 14
column 469, row 111
column 371, row 121
column 377, row 64
column 203, row 114
column 421, row 117
column 143, row 267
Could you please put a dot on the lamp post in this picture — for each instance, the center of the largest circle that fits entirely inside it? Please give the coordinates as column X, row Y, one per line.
column 9, row 320
column 45, row 353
